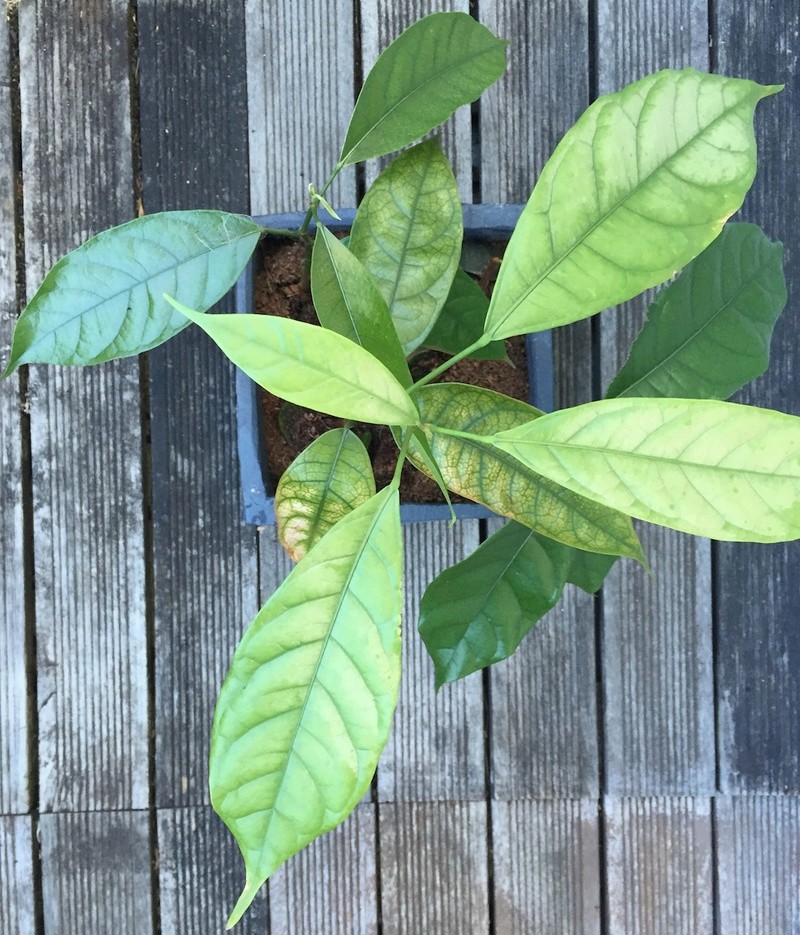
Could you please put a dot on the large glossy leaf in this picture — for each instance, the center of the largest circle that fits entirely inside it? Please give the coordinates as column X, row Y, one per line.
column 407, row 232
column 477, row 470
column 309, row 366
column 710, row 468
column 105, row 299
column 460, row 322
column 476, row 613
column 441, row 62
column 708, row 333
column 305, row 710
column 347, row 301
column 638, row 187
column 324, row 483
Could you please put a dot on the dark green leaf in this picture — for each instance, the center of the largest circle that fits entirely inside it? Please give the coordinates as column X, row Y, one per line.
column 588, row 570
column 347, row 301
column 407, row 232
column 460, row 322
column 441, row 62
column 708, row 333
column 105, row 299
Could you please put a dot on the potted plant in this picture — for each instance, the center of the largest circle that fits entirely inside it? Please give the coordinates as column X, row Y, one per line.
column 641, row 187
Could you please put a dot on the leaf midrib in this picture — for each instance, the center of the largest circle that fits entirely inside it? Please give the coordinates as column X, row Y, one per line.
column 603, row 218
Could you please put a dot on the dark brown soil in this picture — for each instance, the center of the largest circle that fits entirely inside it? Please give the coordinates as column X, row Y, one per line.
column 289, row 429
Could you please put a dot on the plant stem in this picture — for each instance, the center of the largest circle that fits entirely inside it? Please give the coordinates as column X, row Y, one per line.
column 303, row 229
column 398, row 468
column 482, row 341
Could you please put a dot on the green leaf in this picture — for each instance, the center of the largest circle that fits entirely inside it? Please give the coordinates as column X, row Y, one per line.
column 705, row 467
column 639, row 186
column 309, row 366
column 104, row 299
column 708, row 333
column 477, row 470
column 348, row 302
column 477, row 612
column 460, row 322
column 305, row 710
column 324, row 483
column 441, row 62
column 407, row 232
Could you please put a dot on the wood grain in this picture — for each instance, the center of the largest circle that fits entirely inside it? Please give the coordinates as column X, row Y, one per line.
column 758, row 587
column 13, row 680
column 96, row 873
column 544, row 727
column 436, row 747
column 192, row 84
column 657, row 635
column 201, row 874
column 659, row 866
column 546, row 867
column 382, row 21
column 434, row 868
column 300, row 94
column 16, row 876
column 331, row 886
column 758, row 859
column 85, row 424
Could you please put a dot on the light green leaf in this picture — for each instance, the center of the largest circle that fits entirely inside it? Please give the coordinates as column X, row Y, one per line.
column 407, row 232
column 305, row 709
column 441, row 62
column 324, row 483
column 639, row 186
column 477, row 470
column 460, row 322
column 104, row 299
column 477, row 612
column 347, row 301
column 708, row 333
column 705, row 467
column 309, row 366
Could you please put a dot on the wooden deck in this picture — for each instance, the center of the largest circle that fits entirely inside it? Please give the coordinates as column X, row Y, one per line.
column 633, row 770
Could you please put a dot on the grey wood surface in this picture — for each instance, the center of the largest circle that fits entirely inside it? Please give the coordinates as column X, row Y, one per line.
column 758, row 864
column 758, row 587
column 192, row 81
column 13, row 678
column 96, row 873
column 543, row 700
column 658, row 696
column 546, row 867
column 85, row 423
column 17, row 893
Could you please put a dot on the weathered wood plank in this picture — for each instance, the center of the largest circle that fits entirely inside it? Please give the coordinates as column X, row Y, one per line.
column 657, row 640
column 201, row 873
column 659, row 866
column 546, row 867
column 759, row 586
column 13, row 682
column 436, row 747
column 331, row 886
column 16, row 876
column 300, row 95
column 544, row 728
column 382, row 21
column 434, row 875
column 204, row 558
column 96, row 873
column 758, row 860
column 85, row 424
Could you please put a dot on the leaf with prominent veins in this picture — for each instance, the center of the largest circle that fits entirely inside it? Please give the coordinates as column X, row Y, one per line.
column 638, row 187
column 710, row 468
column 472, row 467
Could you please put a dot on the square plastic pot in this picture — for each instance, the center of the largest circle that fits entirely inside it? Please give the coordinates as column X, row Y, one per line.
column 481, row 223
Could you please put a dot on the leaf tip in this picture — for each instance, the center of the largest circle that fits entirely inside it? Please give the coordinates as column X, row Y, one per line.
column 243, row 903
